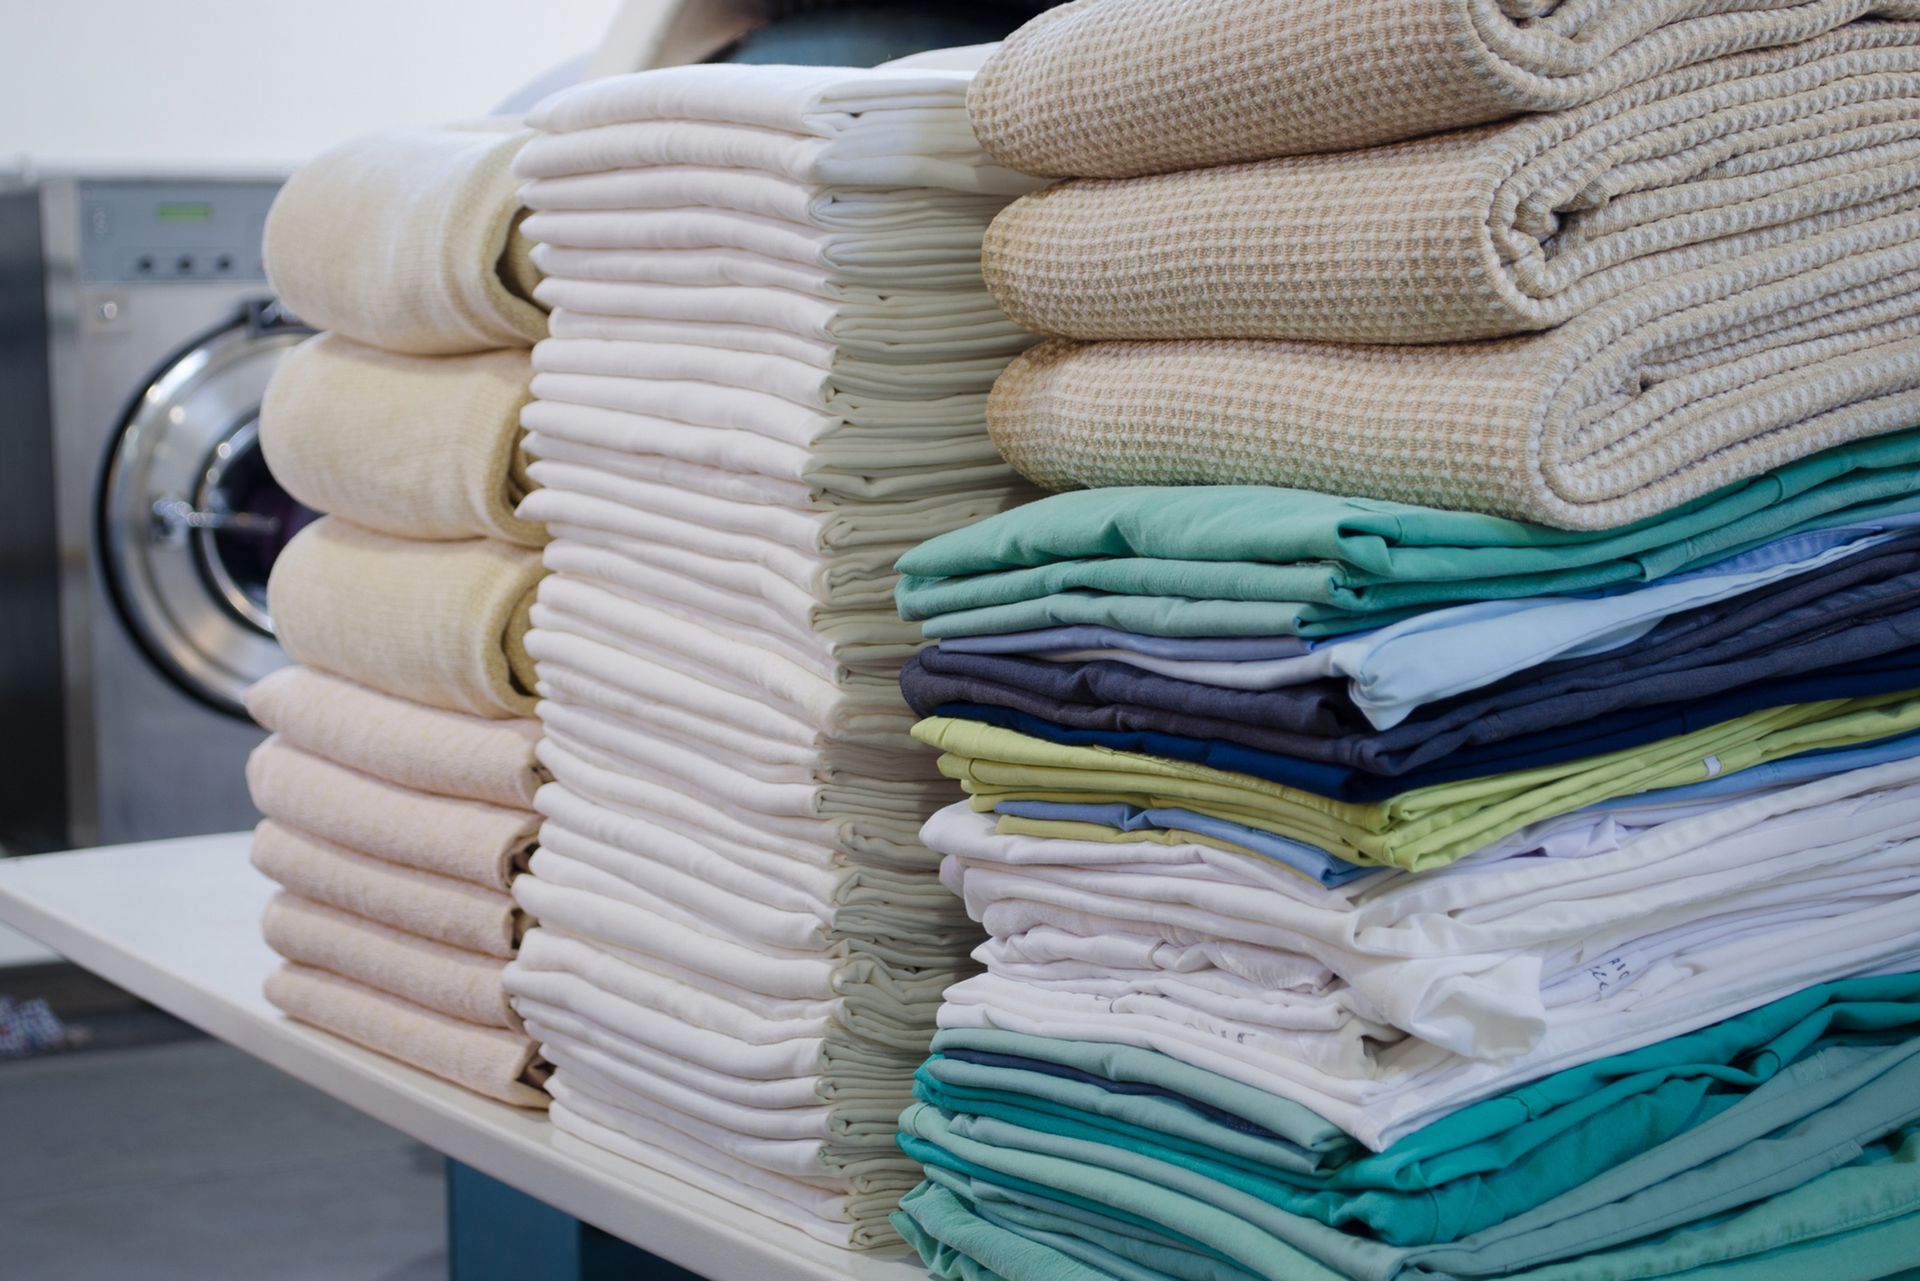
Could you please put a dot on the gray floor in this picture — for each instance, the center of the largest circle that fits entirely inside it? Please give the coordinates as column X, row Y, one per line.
column 192, row 1160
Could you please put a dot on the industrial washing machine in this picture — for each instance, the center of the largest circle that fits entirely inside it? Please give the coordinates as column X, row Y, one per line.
column 137, row 335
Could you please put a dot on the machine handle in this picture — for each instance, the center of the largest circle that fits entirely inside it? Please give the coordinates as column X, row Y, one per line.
column 173, row 518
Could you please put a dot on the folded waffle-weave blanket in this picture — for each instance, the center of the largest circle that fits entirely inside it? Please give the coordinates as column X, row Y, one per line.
column 415, row 446
column 491, row 1061
column 1647, row 401
column 443, row 624
column 1486, row 232
column 409, row 240
column 1110, row 88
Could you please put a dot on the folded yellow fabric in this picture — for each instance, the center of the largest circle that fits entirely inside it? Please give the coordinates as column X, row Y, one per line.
column 408, row 239
column 1486, row 232
column 428, row 749
column 1417, row 830
column 469, row 841
column 438, row 623
column 461, row 985
column 1109, row 88
column 457, row 913
column 1648, row 400
column 490, row 1061
column 418, row 446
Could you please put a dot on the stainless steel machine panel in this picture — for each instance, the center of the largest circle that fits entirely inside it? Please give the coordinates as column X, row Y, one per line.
column 157, row 342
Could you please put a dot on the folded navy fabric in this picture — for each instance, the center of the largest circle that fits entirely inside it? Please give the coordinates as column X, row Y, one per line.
column 1299, row 740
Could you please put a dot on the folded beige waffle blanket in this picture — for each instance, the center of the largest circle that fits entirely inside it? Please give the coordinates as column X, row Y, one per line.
column 409, row 744
column 461, row 985
column 469, row 841
column 408, row 239
column 1485, row 232
column 1650, row 399
column 457, row 913
column 438, row 623
column 491, row 1061
column 1111, row 88
column 418, row 446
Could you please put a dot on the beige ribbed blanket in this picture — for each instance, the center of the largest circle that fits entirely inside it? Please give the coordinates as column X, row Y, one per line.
column 1486, row 232
column 491, row 1061
column 471, row 841
column 408, row 239
column 457, row 913
column 1111, row 88
column 461, row 985
column 438, row 623
column 1653, row 398
column 417, row 446
column 410, row 744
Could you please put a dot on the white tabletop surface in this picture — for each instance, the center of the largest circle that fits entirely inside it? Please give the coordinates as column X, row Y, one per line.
column 177, row 924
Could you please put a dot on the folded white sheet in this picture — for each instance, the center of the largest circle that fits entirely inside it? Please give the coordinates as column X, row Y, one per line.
column 676, row 354
column 834, row 463
column 844, row 126
column 830, row 208
column 1528, row 963
column 752, row 252
column 965, row 325
column 594, row 672
column 835, row 1218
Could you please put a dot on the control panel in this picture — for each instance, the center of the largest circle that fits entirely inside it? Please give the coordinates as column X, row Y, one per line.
column 133, row 230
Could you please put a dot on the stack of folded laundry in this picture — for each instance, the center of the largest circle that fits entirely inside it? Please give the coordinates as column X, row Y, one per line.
column 767, row 379
column 398, row 784
column 1450, row 807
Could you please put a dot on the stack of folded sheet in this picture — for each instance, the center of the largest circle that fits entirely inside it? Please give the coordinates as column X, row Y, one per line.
column 767, row 378
column 1497, row 853
column 398, row 785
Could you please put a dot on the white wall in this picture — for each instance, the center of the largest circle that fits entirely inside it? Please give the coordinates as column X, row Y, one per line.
column 156, row 84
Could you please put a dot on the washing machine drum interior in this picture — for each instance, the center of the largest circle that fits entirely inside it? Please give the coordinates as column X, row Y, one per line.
column 190, row 519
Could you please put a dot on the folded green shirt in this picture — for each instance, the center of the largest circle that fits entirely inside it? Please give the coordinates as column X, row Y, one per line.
column 1238, row 559
column 1424, row 828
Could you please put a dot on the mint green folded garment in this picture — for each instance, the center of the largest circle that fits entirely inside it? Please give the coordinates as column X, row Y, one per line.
column 1481, row 1166
column 1872, row 1232
column 1783, row 1191
column 1239, row 560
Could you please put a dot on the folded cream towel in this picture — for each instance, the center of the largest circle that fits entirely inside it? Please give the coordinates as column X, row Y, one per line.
column 1649, row 400
column 418, row 446
column 467, row 840
column 410, row 744
column 1481, row 233
column 461, row 985
column 408, row 240
column 457, row 913
column 492, row 1061
column 1109, row 88
column 439, row 623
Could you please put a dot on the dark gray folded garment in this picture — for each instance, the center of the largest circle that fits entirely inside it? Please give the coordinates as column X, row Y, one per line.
column 1678, row 677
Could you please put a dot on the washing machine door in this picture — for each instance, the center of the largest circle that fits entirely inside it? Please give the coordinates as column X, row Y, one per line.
column 190, row 519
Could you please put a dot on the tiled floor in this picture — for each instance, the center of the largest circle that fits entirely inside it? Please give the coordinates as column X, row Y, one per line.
column 193, row 1161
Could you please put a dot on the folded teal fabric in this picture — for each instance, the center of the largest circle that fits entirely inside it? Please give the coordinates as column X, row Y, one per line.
column 1670, row 1139
column 1237, row 560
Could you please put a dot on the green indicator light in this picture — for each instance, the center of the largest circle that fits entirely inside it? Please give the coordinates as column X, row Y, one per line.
column 183, row 213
